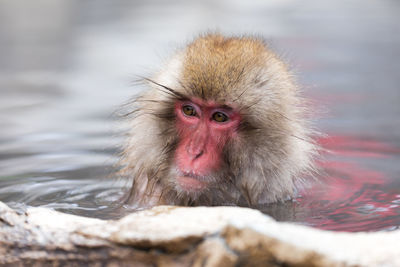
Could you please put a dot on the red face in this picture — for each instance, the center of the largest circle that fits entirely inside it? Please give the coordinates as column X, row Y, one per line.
column 203, row 128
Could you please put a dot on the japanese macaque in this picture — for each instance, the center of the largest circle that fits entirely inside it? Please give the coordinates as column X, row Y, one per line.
column 222, row 124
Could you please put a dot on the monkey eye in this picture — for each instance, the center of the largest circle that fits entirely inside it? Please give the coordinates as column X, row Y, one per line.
column 219, row 117
column 188, row 110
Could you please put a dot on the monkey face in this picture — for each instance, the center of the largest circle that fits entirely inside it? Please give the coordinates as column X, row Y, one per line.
column 204, row 128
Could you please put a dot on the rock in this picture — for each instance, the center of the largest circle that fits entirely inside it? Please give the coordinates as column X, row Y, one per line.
column 182, row 236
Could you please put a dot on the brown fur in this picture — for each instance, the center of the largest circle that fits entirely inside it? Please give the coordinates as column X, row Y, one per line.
column 273, row 149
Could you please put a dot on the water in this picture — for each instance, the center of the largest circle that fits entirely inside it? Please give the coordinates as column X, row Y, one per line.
column 66, row 66
column 351, row 195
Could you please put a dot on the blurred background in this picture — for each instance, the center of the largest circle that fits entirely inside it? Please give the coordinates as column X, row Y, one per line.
column 66, row 66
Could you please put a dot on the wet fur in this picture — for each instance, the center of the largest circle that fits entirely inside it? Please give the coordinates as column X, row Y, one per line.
column 272, row 152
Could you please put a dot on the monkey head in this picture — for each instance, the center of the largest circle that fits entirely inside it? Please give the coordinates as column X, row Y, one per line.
column 222, row 124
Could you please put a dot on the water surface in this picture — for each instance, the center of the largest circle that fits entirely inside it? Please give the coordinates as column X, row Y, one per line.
column 66, row 66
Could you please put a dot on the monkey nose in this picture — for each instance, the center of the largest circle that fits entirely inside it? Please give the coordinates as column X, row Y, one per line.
column 195, row 152
column 195, row 148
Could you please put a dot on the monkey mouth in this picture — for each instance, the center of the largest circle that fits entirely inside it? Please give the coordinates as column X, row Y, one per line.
column 191, row 182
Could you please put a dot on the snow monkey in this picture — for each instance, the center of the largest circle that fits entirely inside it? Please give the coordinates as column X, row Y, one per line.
column 221, row 124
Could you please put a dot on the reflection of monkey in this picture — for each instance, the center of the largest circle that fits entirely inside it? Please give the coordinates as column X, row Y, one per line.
column 221, row 125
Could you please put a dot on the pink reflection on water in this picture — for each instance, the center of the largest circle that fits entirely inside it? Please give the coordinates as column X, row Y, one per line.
column 351, row 196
